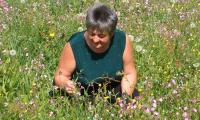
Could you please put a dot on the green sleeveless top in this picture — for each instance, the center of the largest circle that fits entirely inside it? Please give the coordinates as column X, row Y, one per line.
column 94, row 67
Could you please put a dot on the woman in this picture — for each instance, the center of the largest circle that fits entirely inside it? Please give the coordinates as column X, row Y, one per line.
column 100, row 56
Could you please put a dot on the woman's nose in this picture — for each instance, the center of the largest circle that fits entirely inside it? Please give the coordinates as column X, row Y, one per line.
column 96, row 39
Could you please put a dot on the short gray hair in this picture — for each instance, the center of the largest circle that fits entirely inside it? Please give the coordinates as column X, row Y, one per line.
column 101, row 17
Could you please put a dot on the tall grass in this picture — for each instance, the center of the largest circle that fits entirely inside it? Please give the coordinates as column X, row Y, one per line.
column 165, row 36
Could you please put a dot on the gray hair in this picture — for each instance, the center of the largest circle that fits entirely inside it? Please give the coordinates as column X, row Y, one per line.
column 101, row 17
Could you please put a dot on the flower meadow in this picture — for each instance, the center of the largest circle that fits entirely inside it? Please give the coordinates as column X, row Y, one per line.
column 166, row 41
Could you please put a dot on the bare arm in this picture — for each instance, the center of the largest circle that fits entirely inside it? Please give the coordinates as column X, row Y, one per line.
column 130, row 75
column 65, row 69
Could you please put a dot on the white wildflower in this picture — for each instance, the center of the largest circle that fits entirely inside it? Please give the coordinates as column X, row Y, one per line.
column 137, row 5
column 144, row 51
column 156, row 113
column 125, row 1
column 169, row 10
column 12, row 52
column 5, row 104
column 192, row 25
column 80, row 29
column 161, row 99
column 185, row 108
column 5, row 52
column 138, row 48
column 51, row 113
column 173, row 1
column 81, row 15
column 118, row 13
column 196, row 65
column 174, row 92
column 138, row 39
column 4, row 26
column 22, row 1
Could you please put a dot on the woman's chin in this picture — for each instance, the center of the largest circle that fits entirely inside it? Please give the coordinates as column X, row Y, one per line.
column 99, row 50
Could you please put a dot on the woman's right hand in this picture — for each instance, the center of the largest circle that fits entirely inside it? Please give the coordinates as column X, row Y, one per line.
column 69, row 87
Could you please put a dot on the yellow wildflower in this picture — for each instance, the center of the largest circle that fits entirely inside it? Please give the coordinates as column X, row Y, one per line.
column 52, row 35
column 34, row 84
column 105, row 98
column 140, row 89
column 139, row 106
column 133, row 100
column 99, row 85
column 31, row 91
column 118, row 99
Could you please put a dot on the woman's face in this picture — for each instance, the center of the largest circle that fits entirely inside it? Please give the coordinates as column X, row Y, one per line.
column 98, row 41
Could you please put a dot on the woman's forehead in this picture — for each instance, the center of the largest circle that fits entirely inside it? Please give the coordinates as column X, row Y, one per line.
column 96, row 30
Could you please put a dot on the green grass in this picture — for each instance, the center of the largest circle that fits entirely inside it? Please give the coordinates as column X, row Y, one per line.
column 168, row 33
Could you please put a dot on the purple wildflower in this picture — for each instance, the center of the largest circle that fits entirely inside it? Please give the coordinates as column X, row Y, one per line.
column 121, row 104
column 133, row 106
column 194, row 110
column 154, row 105
column 173, row 82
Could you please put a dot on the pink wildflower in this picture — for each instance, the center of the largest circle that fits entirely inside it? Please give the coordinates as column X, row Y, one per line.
column 4, row 5
column 185, row 115
column 147, row 110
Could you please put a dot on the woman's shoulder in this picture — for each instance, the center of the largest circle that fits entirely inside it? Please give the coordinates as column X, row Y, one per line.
column 120, row 34
column 76, row 38
column 117, row 30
